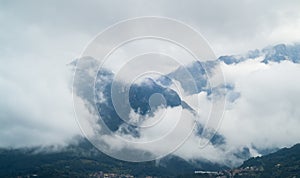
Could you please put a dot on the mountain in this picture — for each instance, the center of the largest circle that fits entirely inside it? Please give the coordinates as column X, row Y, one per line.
column 283, row 163
column 275, row 53
column 192, row 77
column 83, row 160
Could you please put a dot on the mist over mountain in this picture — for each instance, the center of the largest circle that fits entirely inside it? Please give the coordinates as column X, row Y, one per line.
column 246, row 130
column 231, row 148
column 82, row 159
column 185, row 88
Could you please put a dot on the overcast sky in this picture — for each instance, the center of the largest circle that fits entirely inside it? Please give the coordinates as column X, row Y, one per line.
column 39, row 38
column 229, row 26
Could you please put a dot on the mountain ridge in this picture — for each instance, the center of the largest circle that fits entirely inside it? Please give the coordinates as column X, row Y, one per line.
column 277, row 53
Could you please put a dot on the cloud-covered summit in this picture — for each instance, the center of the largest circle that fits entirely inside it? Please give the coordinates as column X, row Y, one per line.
column 257, row 106
column 261, row 112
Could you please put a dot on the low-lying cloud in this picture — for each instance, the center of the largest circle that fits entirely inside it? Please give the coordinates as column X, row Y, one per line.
column 36, row 103
column 266, row 114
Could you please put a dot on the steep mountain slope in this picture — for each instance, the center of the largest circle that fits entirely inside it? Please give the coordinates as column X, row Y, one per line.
column 193, row 80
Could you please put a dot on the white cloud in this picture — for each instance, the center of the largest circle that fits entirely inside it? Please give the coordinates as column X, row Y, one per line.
column 35, row 105
column 266, row 114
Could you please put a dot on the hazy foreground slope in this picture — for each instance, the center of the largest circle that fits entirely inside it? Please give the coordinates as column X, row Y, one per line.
column 83, row 160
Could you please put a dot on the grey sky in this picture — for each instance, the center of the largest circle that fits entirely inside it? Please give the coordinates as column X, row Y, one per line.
column 230, row 26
